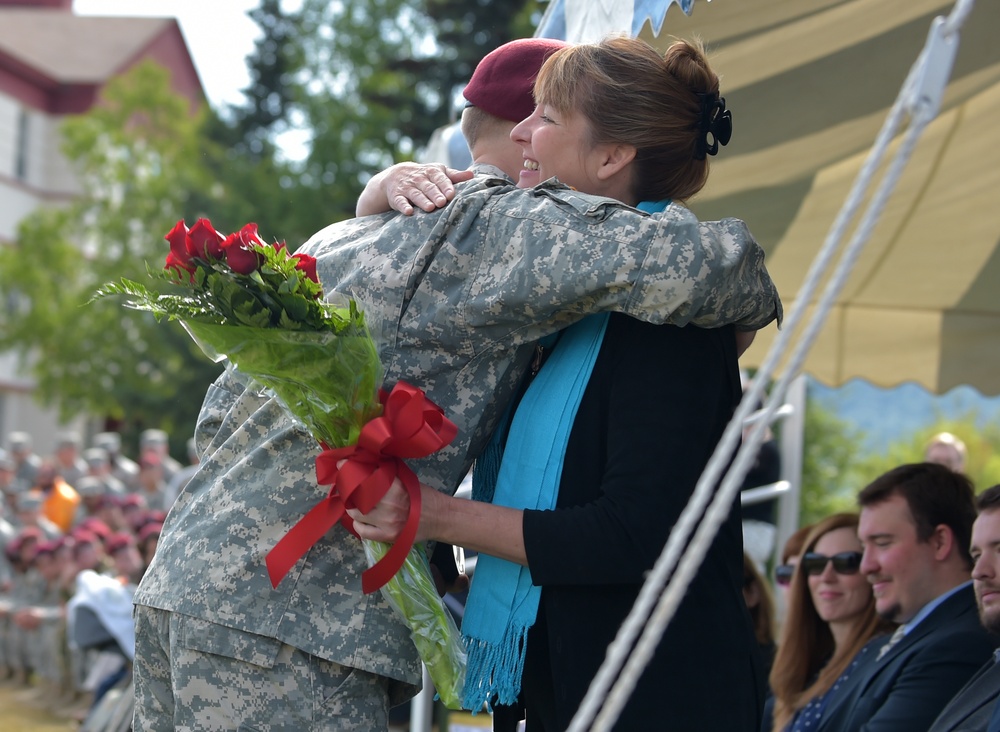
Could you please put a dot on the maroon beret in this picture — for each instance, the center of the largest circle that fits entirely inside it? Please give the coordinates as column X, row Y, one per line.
column 95, row 526
column 132, row 500
column 504, row 80
column 118, row 541
column 82, row 537
column 47, row 547
column 149, row 530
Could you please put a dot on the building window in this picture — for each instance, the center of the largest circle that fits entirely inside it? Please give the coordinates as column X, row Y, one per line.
column 21, row 163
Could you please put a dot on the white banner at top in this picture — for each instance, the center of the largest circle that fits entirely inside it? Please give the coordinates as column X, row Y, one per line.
column 586, row 21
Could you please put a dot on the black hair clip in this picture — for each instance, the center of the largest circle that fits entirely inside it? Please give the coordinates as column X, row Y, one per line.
column 717, row 122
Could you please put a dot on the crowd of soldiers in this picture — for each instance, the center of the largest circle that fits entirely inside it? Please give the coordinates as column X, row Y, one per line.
column 77, row 530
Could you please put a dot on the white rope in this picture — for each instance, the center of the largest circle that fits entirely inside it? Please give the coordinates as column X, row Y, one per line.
column 920, row 99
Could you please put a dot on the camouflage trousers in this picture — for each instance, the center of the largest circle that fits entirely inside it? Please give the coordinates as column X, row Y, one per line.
column 181, row 688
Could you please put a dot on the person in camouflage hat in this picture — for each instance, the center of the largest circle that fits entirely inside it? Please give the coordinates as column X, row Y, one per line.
column 463, row 293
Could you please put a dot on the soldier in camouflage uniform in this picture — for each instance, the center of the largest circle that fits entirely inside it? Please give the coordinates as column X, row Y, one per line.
column 24, row 592
column 43, row 621
column 463, row 294
column 26, row 462
column 122, row 468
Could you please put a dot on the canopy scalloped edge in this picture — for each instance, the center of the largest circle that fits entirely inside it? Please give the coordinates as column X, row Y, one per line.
column 554, row 25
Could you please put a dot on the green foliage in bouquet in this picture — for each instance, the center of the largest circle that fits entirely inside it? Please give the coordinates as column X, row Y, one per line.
column 261, row 307
column 414, row 596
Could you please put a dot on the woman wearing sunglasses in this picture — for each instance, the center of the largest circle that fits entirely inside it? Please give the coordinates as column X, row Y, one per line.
column 830, row 618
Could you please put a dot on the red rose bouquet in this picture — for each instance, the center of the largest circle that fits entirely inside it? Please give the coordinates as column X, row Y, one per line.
column 262, row 308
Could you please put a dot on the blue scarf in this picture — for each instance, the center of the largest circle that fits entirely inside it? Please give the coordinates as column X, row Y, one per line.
column 503, row 602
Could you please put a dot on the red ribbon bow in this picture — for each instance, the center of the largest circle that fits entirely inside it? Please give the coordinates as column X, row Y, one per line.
column 411, row 426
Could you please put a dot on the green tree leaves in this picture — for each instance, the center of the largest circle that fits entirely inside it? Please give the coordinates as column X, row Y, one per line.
column 137, row 158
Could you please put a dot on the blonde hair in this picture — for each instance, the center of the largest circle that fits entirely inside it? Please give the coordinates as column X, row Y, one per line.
column 946, row 439
column 478, row 124
column 808, row 663
column 656, row 103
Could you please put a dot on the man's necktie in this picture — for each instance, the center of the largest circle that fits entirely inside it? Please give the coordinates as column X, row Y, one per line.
column 896, row 638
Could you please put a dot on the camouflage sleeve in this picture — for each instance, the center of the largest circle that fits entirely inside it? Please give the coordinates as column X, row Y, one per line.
column 219, row 400
column 587, row 254
column 727, row 283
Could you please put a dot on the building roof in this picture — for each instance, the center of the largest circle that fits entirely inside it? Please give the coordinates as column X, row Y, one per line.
column 75, row 50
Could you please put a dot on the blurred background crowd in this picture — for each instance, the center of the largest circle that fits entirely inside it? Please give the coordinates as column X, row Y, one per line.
column 77, row 530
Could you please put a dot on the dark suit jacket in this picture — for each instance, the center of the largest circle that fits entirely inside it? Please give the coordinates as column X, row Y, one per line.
column 971, row 708
column 908, row 688
column 657, row 402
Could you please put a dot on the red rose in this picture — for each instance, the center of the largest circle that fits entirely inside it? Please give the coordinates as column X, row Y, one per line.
column 307, row 265
column 178, row 258
column 204, row 241
column 239, row 251
column 174, row 263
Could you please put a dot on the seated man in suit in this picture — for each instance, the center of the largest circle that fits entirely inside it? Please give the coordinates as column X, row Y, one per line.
column 916, row 523
column 971, row 709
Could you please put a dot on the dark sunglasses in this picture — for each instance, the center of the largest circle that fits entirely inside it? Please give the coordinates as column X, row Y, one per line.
column 783, row 573
column 843, row 563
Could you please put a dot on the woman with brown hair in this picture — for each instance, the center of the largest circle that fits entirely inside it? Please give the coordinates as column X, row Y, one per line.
column 830, row 618
column 609, row 439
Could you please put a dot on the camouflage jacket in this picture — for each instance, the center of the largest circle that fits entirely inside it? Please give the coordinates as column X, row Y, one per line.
column 462, row 295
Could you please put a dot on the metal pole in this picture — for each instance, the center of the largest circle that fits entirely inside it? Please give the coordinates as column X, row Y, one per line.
column 792, row 443
column 422, row 706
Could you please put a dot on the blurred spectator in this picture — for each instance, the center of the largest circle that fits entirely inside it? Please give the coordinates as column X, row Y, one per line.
column 831, row 617
column 92, row 492
column 177, row 483
column 790, row 557
column 60, row 501
column 122, row 468
column 152, row 481
column 109, row 510
column 15, row 650
column 88, row 553
column 99, row 622
column 26, row 462
column 42, row 620
column 8, row 515
column 66, row 460
column 946, row 449
column 149, row 536
column 99, row 467
column 7, row 533
column 29, row 514
column 134, row 509
column 9, row 486
column 7, row 468
column 124, row 553
column 157, row 442
column 974, row 708
column 760, row 603
column 95, row 526
column 916, row 525
column 64, row 555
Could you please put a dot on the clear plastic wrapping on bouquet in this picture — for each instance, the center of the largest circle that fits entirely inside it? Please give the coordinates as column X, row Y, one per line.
column 261, row 307
column 326, row 381
column 413, row 594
